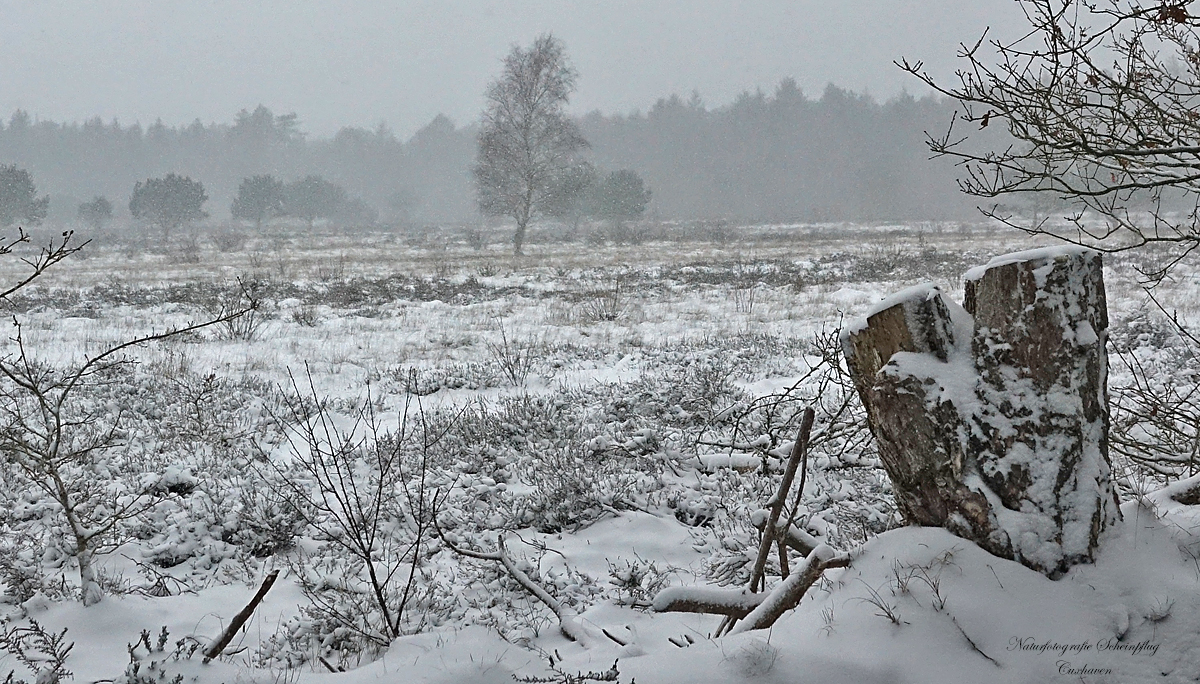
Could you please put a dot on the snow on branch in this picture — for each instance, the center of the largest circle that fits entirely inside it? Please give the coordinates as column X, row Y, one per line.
column 732, row 602
column 788, row 593
column 568, row 620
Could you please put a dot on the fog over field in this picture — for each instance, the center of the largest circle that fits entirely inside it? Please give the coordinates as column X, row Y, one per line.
column 783, row 111
column 661, row 342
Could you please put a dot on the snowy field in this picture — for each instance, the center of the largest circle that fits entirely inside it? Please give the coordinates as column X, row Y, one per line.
column 615, row 413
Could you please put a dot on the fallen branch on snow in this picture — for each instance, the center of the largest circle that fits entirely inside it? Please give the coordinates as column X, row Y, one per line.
column 730, row 602
column 757, row 611
column 240, row 619
column 568, row 620
column 788, row 593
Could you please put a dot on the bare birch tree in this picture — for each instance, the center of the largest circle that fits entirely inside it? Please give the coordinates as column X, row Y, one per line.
column 527, row 143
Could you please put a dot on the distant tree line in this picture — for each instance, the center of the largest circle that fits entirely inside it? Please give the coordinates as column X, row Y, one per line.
column 778, row 157
column 173, row 201
column 785, row 156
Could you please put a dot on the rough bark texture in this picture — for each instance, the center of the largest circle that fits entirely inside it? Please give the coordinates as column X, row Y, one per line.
column 992, row 421
column 913, row 416
column 1039, row 347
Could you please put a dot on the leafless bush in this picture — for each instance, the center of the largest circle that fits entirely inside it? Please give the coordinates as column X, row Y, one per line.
column 1155, row 408
column 743, row 298
column 514, row 356
column 229, row 240
column 188, row 251
column 719, row 232
column 475, row 238
column 760, row 425
column 1156, row 414
column 70, row 451
column 625, row 233
column 605, row 305
column 346, row 480
column 331, row 272
column 305, row 315
column 745, row 286
column 241, row 311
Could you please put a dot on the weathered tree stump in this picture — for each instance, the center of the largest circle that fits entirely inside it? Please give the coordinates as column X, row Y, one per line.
column 992, row 420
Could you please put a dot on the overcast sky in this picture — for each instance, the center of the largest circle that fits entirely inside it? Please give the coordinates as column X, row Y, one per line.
column 362, row 62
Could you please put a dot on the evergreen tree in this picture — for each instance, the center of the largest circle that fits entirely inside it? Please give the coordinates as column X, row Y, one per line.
column 168, row 202
column 259, row 198
column 18, row 197
column 97, row 212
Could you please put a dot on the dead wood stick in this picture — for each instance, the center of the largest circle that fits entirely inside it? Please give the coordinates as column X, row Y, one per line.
column 783, row 557
column 330, row 667
column 568, row 620
column 732, row 603
column 610, row 635
column 240, row 619
column 725, row 622
column 788, row 594
column 780, row 499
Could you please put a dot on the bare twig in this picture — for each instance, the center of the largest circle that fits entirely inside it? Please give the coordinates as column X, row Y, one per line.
column 1098, row 101
column 240, row 619
column 780, row 499
column 972, row 643
column 568, row 620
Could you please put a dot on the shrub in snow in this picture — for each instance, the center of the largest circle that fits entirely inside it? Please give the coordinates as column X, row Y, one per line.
column 248, row 296
column 684, row 389
column 535, row 461
column 423, row 381
column 63, row 441
column 267, row 520
column 1154, row 390
column 572, row 488
column 43, row 653
column 636, row 582
column 149, row 661
column 561, row 676
column 364, row 493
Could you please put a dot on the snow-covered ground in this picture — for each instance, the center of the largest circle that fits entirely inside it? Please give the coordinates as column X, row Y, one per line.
column 612, row 410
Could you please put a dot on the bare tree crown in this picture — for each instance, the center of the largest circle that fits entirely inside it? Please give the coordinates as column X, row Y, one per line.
column 527, row 144
column 1100, row 100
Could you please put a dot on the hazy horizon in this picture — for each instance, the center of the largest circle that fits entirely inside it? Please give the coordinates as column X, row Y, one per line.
column 361, row 64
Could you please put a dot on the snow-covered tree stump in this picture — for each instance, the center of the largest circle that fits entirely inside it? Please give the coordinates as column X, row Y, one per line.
column 909, row 359
column 992, row 420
